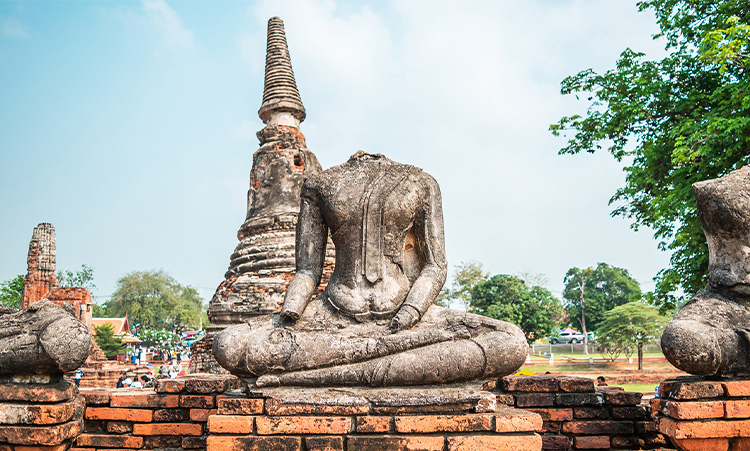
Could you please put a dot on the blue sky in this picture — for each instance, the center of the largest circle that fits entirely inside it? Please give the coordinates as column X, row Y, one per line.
column 131, row 125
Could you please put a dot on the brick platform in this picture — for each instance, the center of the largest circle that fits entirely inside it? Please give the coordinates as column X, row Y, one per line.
column 459, row 417
column 702, row 415
column 45, row 415
column 578, row 416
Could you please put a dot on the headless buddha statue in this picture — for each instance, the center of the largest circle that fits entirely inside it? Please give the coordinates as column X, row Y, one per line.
column 375, row 324
column 710, row 335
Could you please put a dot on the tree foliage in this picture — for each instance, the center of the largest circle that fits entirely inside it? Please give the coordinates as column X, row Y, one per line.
column 631, row 326
column 155, row 300
column 671, row 122
column 465, row 277
column 163, row 339
column 84, row 277
column 605, row 288
column 535, row 310
column 11, row 292
column 111, row 344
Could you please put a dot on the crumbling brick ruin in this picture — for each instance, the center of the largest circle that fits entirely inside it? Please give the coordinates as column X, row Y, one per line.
column 262, row 264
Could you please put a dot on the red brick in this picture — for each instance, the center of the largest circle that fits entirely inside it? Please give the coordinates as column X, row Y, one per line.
column 737, row 408
column 597, row 427
column 629, row 413
column 703, row 429
column 201, row 415
column 494, row 442
column 622, row 398
column 118, row 427
column 692, row 410
column 61, row 391
column 109, row 441
column 167, row 429
column 197, row 401
column 703, row 444
column 171, row 415
column 738, row 444
column 170, row 385
column 149, row 400
column 193, row 442
column 369, row 424
column 517, row 421
column 643, row 427
column 442, row 423
column 107, row 413
column 628, row 442
column 36, row 413
column 395, row 443
column 211, row 384
column 230, row 424
column 279, row 407
column 240, row 406
column 550, row 427
column 579, row 399
column 61, row 447
column 303, row 425
column 590, row 413
column 161, row 441
column 252, row 443
column 505, row 399
column 555, row 442
column 52, row 434
column 737, row 388
column 565, row 414
column 592, row 442
column 530, row 383
column 96, row 397
column 576, row 384
column 695, row 390
column 324, row 443
column 534, row 399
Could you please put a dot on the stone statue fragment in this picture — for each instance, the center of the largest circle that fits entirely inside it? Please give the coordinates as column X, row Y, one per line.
column 42, row 339
column 710, row 335
column 375, row 324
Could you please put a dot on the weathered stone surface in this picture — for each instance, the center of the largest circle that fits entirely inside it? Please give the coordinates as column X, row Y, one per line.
column 42, row 339
column 40, row 275
column 36, row 413
column 253, row 443
column 375, row 324
column 52, row 434
column 709, row 335
column 57, row 391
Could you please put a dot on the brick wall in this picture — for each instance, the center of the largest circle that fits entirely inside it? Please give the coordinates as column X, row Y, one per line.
column 206, row 412
column 578, row 416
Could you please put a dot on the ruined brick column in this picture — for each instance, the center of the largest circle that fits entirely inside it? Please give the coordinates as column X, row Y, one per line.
column 40, row 275
column 263, row 262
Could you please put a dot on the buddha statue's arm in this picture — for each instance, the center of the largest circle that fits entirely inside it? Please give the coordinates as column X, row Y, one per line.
column 310, row 242
column 428, row 228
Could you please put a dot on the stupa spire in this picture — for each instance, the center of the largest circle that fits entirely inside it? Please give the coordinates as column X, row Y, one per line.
column 282, row 104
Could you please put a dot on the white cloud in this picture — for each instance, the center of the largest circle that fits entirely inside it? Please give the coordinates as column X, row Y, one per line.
column 12, row 28
column 175, row 34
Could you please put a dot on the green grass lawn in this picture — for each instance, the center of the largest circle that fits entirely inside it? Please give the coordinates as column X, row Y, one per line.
column 642, row 388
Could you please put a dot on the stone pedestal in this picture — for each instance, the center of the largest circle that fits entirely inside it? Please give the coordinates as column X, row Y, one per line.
column 39, row 412
column 699, row 414
column 458, row 417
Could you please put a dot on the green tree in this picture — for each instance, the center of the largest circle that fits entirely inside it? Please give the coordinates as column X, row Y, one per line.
column 155, row 300
column 11, row 292
column 604, row 288
column 105, row 337
column 535, row 310
column 84, row 277
column 671, row 123
column 632, row 325
column 465, row 277
column 98, row 311
column 163, row 339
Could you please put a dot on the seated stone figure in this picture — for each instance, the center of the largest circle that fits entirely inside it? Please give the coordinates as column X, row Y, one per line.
column 43, row 338
column 710, row 335
column 375, row 324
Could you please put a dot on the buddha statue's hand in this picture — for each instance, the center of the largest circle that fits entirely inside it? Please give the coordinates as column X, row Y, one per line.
column 290, row 314
column 406, row 317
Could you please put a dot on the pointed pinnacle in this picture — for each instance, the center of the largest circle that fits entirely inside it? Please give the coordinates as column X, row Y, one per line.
column 280, row 92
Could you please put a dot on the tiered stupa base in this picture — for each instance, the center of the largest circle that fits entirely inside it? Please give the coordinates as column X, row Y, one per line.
column 40, row 413
column 457, row 417
column 700, row 414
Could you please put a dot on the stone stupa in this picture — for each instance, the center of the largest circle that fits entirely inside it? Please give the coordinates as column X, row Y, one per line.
column 263, row 262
